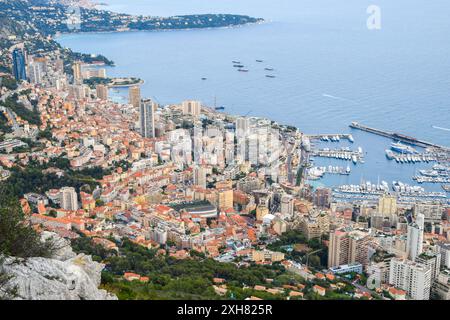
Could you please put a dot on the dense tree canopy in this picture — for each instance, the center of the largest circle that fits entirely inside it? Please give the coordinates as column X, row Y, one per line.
column 172, row 278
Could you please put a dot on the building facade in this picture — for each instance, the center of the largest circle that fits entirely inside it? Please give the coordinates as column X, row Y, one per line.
column 413, row 277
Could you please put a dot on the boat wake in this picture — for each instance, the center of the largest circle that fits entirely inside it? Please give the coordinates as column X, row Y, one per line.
column 440, row 128
column 336, row 98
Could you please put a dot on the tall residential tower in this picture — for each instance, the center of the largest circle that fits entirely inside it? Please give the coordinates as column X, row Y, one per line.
column 19, row 64
column 147, row 118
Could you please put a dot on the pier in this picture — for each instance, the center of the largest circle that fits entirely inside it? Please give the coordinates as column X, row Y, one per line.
column 341, row 154
column 397, row 136
column 330, row 137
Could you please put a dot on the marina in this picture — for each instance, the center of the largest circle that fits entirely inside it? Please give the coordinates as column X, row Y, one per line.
column 411, row 158
column 405, row 151
column 315, row 173
column 437, row 174
column 330, row 137
column 341, row 154
column 367, row 191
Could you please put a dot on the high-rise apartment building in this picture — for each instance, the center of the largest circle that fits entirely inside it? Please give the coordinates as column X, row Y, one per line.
column 35, row 72
column 414, row 244
column 348, row 247
column 414, row 278
column 134, row 96
column 444, row 249
column 19, row 64
column 315, row 225
column 69, row 198
column 77, row 73
column 200, row 177
column 192, row 108
column 287, row 205
column 225, row 199
column 433, row 260
column 440, row 289
column 242, row 126
column 102, row 92
column 147, row 118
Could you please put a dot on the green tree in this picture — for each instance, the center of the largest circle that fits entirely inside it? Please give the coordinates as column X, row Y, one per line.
column 17, row 237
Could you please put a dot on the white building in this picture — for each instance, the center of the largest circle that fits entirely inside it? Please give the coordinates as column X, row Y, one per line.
column 414, row 245
column 413, row 277
column 69, row 199
column 431, row 259
column 242, row 126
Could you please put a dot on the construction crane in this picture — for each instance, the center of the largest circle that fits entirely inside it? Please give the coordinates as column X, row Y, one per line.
column 156, row 99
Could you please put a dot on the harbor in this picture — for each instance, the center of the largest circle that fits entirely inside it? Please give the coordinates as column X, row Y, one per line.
column 423, row 165
column 397, row 136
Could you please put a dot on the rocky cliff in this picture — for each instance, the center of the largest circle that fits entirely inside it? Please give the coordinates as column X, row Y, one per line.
column 66, row 276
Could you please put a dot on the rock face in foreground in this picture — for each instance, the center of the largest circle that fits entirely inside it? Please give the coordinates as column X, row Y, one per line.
column 66, row 276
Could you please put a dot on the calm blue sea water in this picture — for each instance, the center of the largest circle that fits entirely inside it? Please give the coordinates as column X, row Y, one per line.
column 330, row 68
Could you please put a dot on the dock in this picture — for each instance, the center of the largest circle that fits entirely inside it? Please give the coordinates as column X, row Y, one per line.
column 327, row 136
column 340, row 154
column 397, row 136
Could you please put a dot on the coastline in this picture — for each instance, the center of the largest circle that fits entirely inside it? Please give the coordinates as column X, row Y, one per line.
column 61, row 34
column 365, row 140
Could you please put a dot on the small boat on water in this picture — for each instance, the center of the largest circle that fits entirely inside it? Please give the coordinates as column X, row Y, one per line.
column 259, row 61
column 389, row 154
column 243, row 70
column 269, row 69
column 238, row 66
column 402, row 148
column 237, row 62
column 350, row 138
column 270, row 76
column 204, row 78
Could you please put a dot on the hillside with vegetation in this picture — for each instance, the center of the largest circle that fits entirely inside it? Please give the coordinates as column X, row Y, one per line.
column 50, row 17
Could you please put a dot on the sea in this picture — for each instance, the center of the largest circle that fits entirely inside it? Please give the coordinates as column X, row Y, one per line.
column 330, row 69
